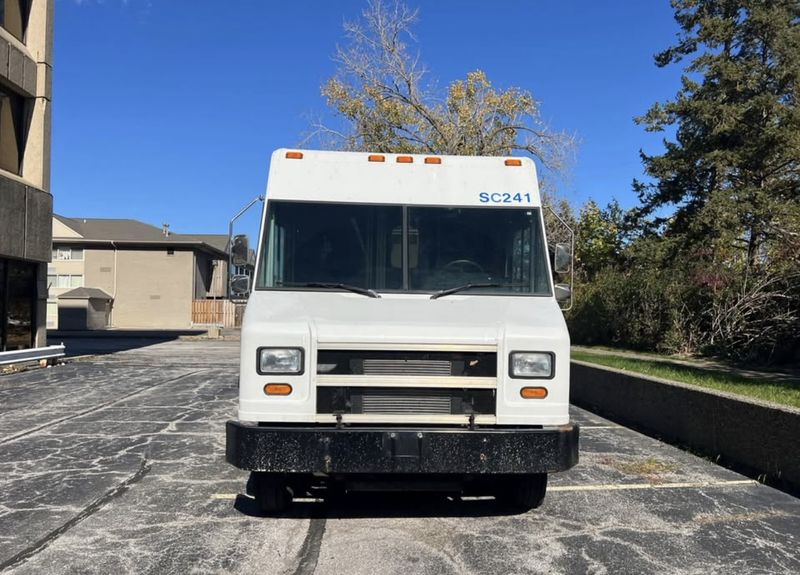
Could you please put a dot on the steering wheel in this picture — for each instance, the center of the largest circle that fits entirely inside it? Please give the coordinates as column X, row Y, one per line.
column 464, row 265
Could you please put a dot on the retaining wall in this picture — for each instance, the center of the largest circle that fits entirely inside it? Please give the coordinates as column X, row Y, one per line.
column 759, row 438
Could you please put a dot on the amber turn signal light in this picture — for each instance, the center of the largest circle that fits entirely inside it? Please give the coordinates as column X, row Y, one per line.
column 277, row 389
column 376, row 158
column 433, row 160
column 294, row 155
column 533, row 392
column 513, row 162
column 405, row 160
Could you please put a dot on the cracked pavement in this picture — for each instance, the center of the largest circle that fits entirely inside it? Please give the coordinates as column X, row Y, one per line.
column 115, row 464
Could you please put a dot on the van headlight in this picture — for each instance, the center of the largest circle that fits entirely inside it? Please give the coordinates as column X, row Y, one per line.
column 280, row 361
column 531, row 364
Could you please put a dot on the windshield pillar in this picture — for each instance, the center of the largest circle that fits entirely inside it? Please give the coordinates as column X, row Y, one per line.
column 405, row 248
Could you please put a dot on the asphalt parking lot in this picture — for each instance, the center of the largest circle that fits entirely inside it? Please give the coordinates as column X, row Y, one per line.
column 115, row 464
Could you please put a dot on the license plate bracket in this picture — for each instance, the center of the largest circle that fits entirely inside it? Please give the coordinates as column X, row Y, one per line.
column 405, row 446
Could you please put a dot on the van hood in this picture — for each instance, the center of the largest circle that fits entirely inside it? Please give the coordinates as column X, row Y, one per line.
column 338, row 317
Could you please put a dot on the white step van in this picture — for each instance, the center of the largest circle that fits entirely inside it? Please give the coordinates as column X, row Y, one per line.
column 402, row 331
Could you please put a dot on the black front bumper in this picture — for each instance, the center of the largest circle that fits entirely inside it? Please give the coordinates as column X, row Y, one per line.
column 357, row 450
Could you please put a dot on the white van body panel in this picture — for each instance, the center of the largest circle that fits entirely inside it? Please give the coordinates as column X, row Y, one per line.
column 337, row 319
column 314, row 320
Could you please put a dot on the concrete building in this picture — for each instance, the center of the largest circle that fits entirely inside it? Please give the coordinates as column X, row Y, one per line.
column 26, row 207
column 128, row 274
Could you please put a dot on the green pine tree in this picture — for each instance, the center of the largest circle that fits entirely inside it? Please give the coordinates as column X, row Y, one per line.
column 730, row 179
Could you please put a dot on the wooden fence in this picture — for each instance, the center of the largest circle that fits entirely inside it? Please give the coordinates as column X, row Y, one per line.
column 222, row 312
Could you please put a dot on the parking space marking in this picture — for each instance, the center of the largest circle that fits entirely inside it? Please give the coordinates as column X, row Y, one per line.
column 631, row 486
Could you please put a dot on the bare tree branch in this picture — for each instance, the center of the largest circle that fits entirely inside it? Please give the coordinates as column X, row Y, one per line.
column 381, row 93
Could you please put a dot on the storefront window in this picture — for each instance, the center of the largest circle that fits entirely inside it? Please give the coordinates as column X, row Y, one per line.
column 3, row 291
column 17, row 305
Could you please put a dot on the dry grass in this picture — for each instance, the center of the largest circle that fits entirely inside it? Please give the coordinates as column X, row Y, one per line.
column 650, row 467
column 715, row 518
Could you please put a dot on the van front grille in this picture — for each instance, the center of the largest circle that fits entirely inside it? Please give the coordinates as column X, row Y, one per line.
column 391, row 401
column 419, row 363
column 397, row 400
column 407, row 367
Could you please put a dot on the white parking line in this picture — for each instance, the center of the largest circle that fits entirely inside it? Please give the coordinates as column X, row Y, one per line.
column 627, row 486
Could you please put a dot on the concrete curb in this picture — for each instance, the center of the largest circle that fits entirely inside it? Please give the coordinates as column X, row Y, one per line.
column 126, row 333
column 757, row 437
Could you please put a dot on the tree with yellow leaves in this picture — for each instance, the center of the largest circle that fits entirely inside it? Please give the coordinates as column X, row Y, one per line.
column 381, row 93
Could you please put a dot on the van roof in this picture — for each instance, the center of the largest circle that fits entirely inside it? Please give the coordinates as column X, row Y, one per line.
column 364, row 177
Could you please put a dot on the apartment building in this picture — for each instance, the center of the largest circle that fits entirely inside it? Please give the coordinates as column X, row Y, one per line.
column 26, row 207
column 118, row 273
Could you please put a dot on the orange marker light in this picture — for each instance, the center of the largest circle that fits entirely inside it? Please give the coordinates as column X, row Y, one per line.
column 533, row 392
column 277, row 389
column 405, row 160
column 294, row 155
column 513, row 162
column 376, row 158
column 433, row 160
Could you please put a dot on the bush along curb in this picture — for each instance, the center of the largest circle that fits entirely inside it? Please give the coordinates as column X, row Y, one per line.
column 757, row 438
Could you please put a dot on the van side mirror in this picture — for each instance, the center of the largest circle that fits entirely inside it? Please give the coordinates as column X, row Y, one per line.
column 240, row 250
column 563, row 293
column 240, row 284
column 562, row 257
column 562, row 261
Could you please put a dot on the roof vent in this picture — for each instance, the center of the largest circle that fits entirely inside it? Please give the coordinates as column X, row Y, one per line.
column 165, row 230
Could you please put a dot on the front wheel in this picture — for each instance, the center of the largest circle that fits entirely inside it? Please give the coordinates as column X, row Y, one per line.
column 523, row 493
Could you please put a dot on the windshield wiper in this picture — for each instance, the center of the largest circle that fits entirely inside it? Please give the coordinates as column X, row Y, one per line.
column 332, row 285
column 452, row 290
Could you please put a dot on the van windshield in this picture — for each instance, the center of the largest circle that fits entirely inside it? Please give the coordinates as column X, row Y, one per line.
column 403, row 248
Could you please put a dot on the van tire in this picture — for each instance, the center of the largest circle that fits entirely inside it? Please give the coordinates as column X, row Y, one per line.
column 271, row 494
column 523, row 493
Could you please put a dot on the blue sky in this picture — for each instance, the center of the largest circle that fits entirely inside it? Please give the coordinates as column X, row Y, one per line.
column 168, row 110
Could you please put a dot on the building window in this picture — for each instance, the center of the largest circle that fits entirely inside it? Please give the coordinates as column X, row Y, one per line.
column 63, row 281
column 17, row 304
column 14, row 17
column 12, row 131
column 66, row 253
